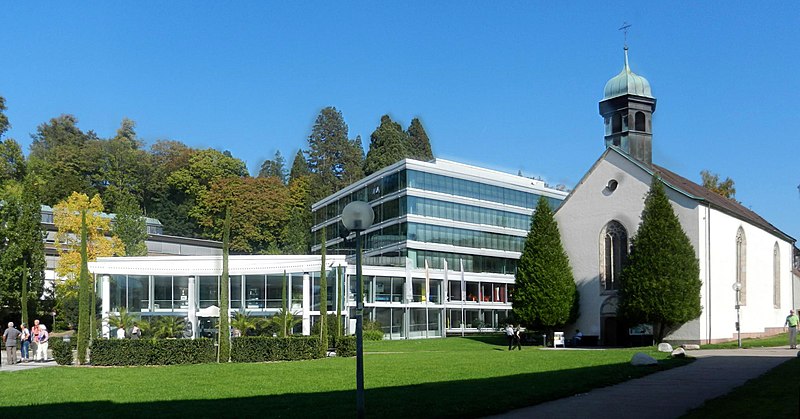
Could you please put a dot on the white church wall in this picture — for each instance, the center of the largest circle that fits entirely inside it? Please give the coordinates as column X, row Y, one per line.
column 587, row 211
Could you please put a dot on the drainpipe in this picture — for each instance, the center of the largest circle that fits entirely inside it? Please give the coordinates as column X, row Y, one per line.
column 708, row 273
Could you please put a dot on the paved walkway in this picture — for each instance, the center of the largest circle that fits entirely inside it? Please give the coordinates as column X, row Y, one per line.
column 666, row 394
column 4, row 367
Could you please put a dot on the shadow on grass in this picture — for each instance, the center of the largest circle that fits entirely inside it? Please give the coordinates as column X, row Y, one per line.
column 458, row 398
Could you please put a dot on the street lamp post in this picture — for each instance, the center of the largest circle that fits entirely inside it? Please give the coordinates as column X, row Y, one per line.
column 357, row 216
column 737, row 286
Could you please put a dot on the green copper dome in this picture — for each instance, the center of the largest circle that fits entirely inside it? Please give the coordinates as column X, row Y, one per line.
column 627, row 83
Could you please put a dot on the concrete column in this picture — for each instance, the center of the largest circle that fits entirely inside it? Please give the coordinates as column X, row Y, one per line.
column 306, row 304
column 105, row 295
column 192, row 314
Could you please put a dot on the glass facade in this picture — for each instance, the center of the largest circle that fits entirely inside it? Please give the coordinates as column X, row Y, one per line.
column 481, row 206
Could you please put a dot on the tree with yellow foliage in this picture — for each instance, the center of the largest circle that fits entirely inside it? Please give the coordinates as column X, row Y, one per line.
column 67, row 218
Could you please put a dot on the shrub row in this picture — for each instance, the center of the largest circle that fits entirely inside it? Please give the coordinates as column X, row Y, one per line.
column 265, row 348
column 62, row 351
column 345, row 345
column 117, row 352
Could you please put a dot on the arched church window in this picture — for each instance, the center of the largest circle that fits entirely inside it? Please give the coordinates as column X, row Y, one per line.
column 741, row 265
column 613, row 255
column 616, row 123
column 776, row 276
column 639, row 123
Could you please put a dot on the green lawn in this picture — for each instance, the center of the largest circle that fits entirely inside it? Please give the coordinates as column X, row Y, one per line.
column 453, row 377
column 767, row 342
column 773, row 395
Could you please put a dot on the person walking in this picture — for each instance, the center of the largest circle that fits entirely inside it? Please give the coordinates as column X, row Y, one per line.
column 41, row 348
column 510, row 335
column 517, row 338
column 35, row 339
column 791, row 321
column 10, row 337
column 25, row 336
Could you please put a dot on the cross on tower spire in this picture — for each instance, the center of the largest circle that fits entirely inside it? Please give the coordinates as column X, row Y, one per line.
column 624, row 29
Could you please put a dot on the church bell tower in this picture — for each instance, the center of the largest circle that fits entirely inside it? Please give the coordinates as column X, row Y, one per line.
column 627, row 108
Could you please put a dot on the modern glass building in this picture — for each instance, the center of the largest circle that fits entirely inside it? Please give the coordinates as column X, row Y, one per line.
column 460, row 226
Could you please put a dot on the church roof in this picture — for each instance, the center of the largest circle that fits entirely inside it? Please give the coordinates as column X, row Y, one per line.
column 627, row 83
column 705, row 196
column 713, row 199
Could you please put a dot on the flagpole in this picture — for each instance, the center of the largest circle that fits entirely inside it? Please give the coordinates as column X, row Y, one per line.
column 426, row 295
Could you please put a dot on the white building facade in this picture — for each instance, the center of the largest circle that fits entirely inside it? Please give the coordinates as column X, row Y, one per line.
column 732, row 243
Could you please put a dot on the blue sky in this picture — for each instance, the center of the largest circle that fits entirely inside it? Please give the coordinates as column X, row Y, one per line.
column 511, row 86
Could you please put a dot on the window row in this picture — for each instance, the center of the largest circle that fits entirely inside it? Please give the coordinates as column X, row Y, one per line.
column 472, row 263
column 476, row 190
column 465, row 238
column 467, row 213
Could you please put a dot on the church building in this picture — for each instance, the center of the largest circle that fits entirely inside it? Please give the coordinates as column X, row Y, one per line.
column 733, row 244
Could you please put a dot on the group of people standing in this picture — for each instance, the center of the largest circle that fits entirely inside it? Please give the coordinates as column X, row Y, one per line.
column 514, row 338
column 35, row 339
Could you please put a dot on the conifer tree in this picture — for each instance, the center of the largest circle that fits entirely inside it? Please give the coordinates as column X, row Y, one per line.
column 419, row 145
column 387, row 145
column 661, row 283
column 545, row 293
column 224, row 332
column 84, row 294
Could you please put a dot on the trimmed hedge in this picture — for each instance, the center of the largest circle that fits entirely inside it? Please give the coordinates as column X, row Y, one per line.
column 373, row 334
column 265, row 348
column 117, row 352
column 62, row 351
column 345, row 345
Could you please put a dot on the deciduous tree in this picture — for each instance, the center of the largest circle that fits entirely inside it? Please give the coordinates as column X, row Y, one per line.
column 661, row 283
column 68, row 242
column 130, row 226
column 725, row 187
column 224, row 354
column 545, row 294
column 259, row 212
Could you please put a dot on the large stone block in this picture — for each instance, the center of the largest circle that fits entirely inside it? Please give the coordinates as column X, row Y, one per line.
column 664, row 347
column 678, row 353
column 641, row 358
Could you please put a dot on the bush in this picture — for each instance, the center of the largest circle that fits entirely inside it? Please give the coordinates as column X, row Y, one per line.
column 62, row 351
column 265, row 348
column 373, row 334
column 117, row 352
column 345, row 345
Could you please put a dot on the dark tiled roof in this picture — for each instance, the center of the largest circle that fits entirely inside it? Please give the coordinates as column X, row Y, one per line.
column 717, row 201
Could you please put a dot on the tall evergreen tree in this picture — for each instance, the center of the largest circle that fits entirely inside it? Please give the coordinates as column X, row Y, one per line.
column 4, row 124
column 387, row 145
column 274, row 168
column 22, row 261
column 332, row 158
column 84, row 294
column 545, row 294
column 419, row 146
column 299, row 167
column 661, row 283
column 224, row 332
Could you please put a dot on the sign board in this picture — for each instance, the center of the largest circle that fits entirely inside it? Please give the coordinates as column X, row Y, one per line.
column 641, row 330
